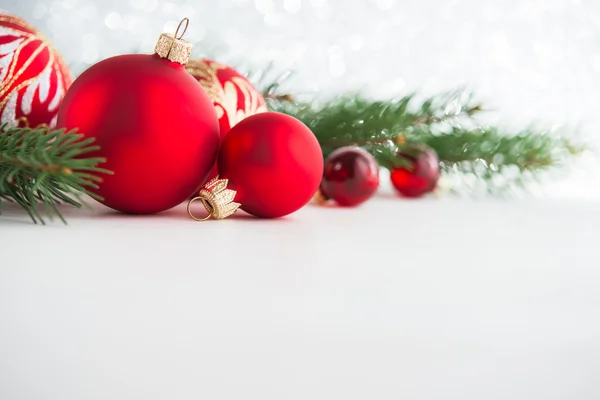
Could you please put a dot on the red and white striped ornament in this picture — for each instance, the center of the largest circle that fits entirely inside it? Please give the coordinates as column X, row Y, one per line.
column 33, row 76
column 233, row 96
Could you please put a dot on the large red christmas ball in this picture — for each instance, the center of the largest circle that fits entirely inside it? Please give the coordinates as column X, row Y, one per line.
column 155, row 125
column 274, row 162
column 351, row 176
column 233, row 96
column 33, row 76
column 423, row 173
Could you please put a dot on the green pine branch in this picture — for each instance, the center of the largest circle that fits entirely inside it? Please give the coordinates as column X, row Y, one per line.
column 528, row 150
column 41, row 168
column 375, row 125
column 447, row 123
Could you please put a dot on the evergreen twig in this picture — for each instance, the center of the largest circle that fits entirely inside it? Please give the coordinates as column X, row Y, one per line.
column 447, row 123
column 42, row 168
column 353, row 119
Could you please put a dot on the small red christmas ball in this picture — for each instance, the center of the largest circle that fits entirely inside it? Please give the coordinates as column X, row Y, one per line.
column 233, row 96
column 274, row 162
column 422, row 175
column 33, row 76
column 351, row 176
column 154, row 124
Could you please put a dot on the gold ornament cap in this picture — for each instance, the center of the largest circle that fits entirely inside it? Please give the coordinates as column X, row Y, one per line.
column 173, row 47
column 216, row 199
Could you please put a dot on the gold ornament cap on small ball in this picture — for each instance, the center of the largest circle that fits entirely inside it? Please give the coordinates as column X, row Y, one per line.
column 216, row 199
column 173, row 47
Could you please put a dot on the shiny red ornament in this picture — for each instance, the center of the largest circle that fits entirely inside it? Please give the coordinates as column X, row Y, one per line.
column 154, row 124
column 351, row 176
column 422, row 175
column 233, row 96
column 33, row 75
column 273, row 162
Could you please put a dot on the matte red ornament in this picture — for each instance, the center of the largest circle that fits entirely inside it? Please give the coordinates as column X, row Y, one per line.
column 233, row 96
column 271, row 164
column 422, row 175
column 33, row 75
column 351, row 176
column 155, row 125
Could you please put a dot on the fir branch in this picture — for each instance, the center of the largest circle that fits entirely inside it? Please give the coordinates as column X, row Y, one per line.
column 41, row 167
column 500, row 162
column 356, row 120
column 528, row 150
column 446, row 123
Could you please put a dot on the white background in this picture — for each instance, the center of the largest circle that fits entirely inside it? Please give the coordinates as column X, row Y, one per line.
column 430, row 299
column 441, row 298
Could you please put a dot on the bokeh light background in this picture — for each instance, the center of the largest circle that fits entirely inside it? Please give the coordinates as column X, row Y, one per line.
column 529, row 60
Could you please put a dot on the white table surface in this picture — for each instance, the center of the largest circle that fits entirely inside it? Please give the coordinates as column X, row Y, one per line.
column 431, row 299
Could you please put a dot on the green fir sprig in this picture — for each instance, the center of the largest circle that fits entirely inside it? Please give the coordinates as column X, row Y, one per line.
column 447, row 123
column 42, row 168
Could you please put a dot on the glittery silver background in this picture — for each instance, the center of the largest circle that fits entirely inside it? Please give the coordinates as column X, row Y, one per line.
column 533, row 60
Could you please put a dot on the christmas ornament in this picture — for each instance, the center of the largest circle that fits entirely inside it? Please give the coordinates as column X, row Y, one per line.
column 351, row 176
column 33, row 76
column 232, row 94
column 155, row 125
column 270, row 165
column 423, row 173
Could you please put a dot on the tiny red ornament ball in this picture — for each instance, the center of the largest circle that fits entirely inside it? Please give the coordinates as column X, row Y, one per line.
column 33, row 76
column 233, row 96
column 351, row 176
column 422, row 175
column 274, row 162
column 154, row 124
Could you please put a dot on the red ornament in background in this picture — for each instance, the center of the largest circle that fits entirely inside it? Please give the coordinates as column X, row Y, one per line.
column 272, row 165
column 351, row 176
column 155, row 125
column 33, row 76
column 233, row 96
column 423, row 174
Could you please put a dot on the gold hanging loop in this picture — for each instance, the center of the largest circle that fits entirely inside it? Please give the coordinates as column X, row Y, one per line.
column 187, row 22
column 189, row 210
column 217, row 199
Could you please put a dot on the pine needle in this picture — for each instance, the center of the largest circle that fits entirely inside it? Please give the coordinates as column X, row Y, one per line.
column 41, row 169
column 447, row 123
